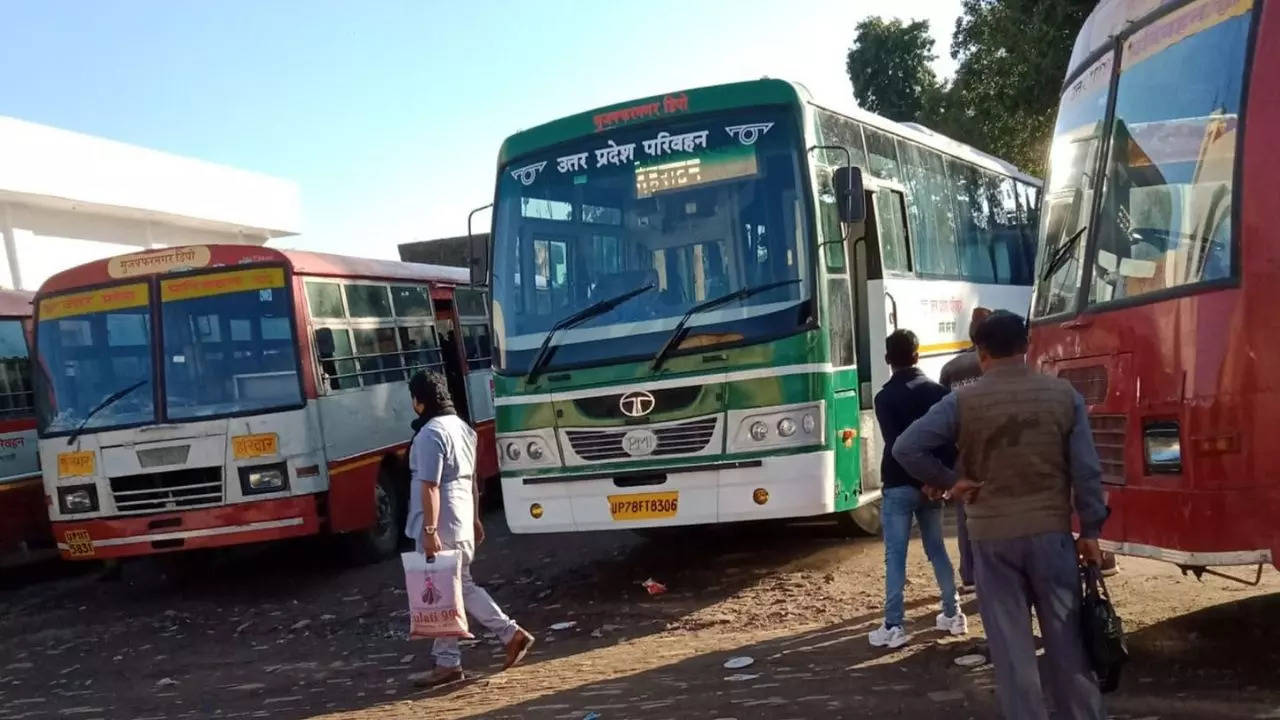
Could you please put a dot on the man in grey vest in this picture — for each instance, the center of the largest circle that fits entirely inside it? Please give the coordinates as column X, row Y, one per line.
column 1026, row 451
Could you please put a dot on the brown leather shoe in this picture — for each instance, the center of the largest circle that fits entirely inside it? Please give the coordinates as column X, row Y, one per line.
column 438, row 677
column 518, row 647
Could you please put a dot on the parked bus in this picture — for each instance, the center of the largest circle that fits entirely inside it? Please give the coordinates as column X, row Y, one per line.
column 24, row 521
column 206, row 396
column 685, row 331
column 1158, row 272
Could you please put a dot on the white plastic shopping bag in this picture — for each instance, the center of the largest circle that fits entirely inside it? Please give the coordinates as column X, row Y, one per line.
column 435, row 595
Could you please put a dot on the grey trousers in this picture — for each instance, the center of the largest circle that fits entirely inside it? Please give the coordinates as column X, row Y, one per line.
column 1013, row 576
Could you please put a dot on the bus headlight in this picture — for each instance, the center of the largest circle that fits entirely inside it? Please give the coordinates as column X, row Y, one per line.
column 78, row 499
column 1163, row 448
column 786, row 427
column 759, row 431
column 263, row 479
column 782, row 426
column 528, row 450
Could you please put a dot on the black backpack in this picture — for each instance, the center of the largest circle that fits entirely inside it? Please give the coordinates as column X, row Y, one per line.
column 1103, row 630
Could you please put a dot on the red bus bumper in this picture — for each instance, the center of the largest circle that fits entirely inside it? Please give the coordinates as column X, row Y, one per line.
column 238, row 524
column 24, row 523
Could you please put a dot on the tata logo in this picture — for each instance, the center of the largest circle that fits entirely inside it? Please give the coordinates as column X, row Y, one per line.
column 636, row 404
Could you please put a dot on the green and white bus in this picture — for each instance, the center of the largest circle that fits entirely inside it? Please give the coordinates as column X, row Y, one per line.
column 690, row 295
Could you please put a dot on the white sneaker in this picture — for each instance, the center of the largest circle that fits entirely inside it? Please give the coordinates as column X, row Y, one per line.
column 957, row 624
column 890, row 637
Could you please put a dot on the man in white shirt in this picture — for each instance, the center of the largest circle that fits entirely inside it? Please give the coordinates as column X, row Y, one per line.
column 443, row 514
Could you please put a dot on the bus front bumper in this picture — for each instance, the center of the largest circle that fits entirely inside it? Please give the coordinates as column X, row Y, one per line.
column 801, row 485
column 237, row 524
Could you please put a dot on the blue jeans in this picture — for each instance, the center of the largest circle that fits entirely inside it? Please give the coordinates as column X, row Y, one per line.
column 897, row 508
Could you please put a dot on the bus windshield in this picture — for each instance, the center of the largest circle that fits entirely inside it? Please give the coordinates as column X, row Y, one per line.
column 93, row 344
column 227, row 348
column 228, row 344
column 696, row 209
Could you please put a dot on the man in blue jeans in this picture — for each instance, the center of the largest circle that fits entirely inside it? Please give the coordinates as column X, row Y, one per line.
column 904, row 399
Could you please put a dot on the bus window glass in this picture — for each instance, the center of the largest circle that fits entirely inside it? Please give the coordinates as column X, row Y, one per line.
column 212, row 366
column 368, row 301
column 325, row 300
column 1166, row 214
column 840, row 131
column 377, row 350
column 1069, row 191
column 333, row 347
column 476, row 342
column 974, row 223
column 892, row 224
column 829, row 221
column 929, row 212
column 93, row 344
column 411, row 301
column 15, row 370
column 599, row 215
column 882, row 154
column 420, row 348
column 840, row 321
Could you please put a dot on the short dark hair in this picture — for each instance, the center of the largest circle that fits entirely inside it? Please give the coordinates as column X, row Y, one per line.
column 1003, row 334
column 901, row 348
column 432, row 390
column 979, row 314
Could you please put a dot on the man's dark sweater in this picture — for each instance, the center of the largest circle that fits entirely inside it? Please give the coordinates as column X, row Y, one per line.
column 904, row 399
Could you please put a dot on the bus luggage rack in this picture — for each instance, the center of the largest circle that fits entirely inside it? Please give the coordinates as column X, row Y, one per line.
column 681, row 438
column 158, row 492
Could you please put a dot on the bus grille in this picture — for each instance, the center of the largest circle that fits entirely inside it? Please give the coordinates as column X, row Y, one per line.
column 160, row 492
column 683, row 438
column 1109, row 436
column 1090, row 382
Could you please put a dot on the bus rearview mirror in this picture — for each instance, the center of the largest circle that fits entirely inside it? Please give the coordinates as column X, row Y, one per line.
column 849, row 198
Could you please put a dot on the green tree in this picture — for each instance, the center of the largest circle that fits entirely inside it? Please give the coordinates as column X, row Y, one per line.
column 1012, row 58
column 889, row 68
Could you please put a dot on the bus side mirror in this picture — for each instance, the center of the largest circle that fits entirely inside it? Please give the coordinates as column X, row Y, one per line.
column 324, row 342
column 849, row 198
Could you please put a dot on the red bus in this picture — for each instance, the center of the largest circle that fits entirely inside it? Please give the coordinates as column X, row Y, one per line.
column 207, row 396
column 1158, row 272
column 24, row 521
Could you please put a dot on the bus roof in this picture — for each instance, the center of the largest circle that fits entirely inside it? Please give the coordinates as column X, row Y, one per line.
column 192, row 257
column 1108, row 19
column 765, row 91
column 15, row 303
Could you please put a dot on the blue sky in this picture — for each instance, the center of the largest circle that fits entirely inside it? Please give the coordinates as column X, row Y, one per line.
column 389, row 114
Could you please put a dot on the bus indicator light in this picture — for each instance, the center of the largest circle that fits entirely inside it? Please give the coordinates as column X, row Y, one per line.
column 535, row 511
column 760, row 496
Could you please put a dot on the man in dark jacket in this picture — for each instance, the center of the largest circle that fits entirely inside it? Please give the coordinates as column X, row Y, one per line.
column 964, row 369
column 905, row 398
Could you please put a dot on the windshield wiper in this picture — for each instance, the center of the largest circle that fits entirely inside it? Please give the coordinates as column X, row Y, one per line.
column 677, row 335
column 1060, row 254
column 586, row 313
column 109, row 399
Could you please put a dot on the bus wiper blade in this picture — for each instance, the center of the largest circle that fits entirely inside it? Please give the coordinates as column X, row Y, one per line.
column 678, row 333
column 109, row 399
column 1060, row 255
column 586, row 313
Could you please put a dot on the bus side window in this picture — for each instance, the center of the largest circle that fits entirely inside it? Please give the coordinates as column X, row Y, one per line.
column 15, row 370
column 333, row 348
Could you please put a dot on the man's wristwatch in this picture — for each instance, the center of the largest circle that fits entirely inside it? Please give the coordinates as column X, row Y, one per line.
column 429, row 530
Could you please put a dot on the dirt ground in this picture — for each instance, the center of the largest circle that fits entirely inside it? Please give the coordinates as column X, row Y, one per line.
column 292, row 631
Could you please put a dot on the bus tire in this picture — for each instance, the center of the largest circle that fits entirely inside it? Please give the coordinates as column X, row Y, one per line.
column 382, row 540
column 863, row 521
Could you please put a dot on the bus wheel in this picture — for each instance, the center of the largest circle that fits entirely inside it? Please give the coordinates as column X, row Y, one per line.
column 382, row 540
column 863, row 520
